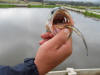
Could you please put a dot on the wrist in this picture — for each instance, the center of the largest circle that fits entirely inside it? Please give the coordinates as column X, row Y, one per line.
column 43, row 68
column 40, row 67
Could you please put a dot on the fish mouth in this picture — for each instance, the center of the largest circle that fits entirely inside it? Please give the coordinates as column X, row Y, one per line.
column 60, row 20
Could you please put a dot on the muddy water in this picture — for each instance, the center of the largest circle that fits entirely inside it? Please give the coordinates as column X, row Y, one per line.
column 20, row 30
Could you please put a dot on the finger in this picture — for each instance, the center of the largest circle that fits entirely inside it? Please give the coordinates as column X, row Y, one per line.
column 47, row 35
column 51, row 35
column 66, row 49
column 43, row 41
column 46, row 38
column 59, row 39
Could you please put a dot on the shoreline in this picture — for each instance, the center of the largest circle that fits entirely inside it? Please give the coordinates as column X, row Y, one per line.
column 85, row 12
column 80, row 9
column 27, row 6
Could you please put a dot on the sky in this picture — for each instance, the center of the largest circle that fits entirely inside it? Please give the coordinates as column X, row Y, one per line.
column 81, row 0
column 85, row 0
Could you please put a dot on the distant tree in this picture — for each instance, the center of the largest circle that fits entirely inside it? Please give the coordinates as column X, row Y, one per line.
column 35, row 0
column 42, row 2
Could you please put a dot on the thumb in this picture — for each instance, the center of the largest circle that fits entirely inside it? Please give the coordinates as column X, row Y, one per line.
column 59, row 39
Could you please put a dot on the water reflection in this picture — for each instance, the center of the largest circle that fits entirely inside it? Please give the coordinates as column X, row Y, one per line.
column 20, row 30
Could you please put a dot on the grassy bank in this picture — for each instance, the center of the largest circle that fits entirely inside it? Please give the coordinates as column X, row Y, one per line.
column 90, row 14
column 94, row 7
column 42, row 6
column 79, row 7
column 85, row 7
column 29, row 6
column 7, row 6
column 86, row 13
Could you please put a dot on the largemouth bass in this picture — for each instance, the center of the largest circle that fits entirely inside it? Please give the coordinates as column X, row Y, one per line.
column 61, row 19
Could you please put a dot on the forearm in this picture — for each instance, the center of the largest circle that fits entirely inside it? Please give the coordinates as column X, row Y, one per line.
column 26, row 68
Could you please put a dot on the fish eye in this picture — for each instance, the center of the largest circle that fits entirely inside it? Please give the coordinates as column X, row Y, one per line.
column 54, row 9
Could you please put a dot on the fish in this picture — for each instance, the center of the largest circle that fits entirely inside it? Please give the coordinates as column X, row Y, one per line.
column 60, row 19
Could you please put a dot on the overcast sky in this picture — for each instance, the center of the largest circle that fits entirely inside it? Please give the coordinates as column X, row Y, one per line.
column 86, row 0
column 79, row 0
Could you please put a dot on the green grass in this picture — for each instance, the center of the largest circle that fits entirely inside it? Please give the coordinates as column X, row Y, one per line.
column 29, row 6
column 94, row 7
column 90, row 14
column 79, row 7
column 87, row 13
column 84, row 7
column 43, row 6
column 7, row 6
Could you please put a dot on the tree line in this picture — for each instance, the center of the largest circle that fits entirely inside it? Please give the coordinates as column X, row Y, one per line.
column 72, row 3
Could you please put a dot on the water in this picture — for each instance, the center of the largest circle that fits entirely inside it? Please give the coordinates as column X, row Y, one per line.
column 20, row 30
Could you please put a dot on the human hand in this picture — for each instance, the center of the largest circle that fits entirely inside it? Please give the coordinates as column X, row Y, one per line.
column 53, row 51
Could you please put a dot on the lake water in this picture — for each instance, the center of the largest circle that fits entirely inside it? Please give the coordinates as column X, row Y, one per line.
column 20, row 30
